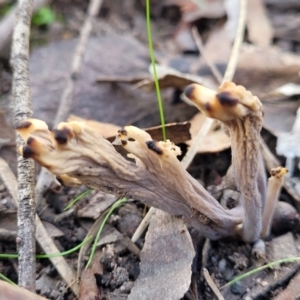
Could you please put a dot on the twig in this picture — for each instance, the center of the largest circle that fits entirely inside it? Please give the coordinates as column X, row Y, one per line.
column 43, row 237
column 209, row 123
column 22, row 110
column 212, row 285
column 233, row 60
column 9, row 291
column 45, row 177
column 143, row 225
column 201, row 48
column 230, row 70
column 66, row 100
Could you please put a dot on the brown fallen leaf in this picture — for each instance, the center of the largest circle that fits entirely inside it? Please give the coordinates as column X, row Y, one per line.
column 285, row 111
column 88, row 285
column 97, row 204
column 217, row 140
column 260, row 31
column 7, row 133
column 166, row 259
column 169, row 77
column 268, row 60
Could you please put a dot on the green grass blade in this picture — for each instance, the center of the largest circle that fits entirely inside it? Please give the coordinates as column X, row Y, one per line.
column 269, row 265
column 6, row 279
column 114, row 206
column 6, row 255
column 159, row 100
column 77, row 198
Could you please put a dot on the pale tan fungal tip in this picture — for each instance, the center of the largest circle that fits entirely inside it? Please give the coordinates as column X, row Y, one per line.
column 229, row 102
column 26, row 127
column 168, row 145
column 279, row 172
column 66, row 180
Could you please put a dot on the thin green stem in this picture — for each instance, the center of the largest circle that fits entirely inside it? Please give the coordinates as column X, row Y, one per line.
column 7, row 280
column 269, row 265
column 115, row 206
column 77, row 198
column 6, row 255
column 159, row 100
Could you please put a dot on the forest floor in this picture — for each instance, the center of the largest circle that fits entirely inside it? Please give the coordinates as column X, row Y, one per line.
column 117, row 57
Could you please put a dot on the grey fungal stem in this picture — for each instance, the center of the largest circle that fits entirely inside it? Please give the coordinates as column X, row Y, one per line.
column 241, row 112
column 275, row 183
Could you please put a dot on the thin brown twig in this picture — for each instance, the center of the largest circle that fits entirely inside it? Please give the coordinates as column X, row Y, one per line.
column 21, row 104
column 230, row 70
column 212, row 285
column 201, row 48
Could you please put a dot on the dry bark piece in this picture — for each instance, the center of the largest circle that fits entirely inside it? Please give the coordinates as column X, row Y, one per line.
column 242, row 113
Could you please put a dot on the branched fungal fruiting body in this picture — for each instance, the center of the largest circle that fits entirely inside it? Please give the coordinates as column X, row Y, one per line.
column 242, row 113
column 80, row 155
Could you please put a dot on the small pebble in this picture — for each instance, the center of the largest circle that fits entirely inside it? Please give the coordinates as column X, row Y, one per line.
column 237, row 288
column 126, row 287
column 264, row 283
column 222, row 265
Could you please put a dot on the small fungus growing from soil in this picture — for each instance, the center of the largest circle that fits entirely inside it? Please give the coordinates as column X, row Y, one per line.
column 80, row 155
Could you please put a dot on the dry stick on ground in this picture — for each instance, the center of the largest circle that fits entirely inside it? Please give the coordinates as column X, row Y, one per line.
column 22, row 110
column 212, row 285
column 42, row 235
column 46, row 178
column 201, row 48
column 209, row 123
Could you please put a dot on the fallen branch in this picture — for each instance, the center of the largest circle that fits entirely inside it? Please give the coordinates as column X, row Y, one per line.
column 22, row 110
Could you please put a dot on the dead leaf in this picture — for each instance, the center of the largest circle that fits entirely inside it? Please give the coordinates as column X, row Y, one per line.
column 285, row 111
column 260, row 31
column 166, row 258
column 215, row 141
column 7, row 133
column 88, row 285
column 52, row 230
column 268, row 60
column 97, row 205
column 169, row 77
column 176, row 132
column 286, row 26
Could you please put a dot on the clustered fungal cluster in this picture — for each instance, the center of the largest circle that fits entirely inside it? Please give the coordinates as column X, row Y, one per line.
column 78, row 154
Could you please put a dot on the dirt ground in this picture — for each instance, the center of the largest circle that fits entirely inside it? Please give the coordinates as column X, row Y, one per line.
column 116, row 58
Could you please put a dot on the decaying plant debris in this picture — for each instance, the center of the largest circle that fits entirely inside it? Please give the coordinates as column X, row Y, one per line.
column 76, row 152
